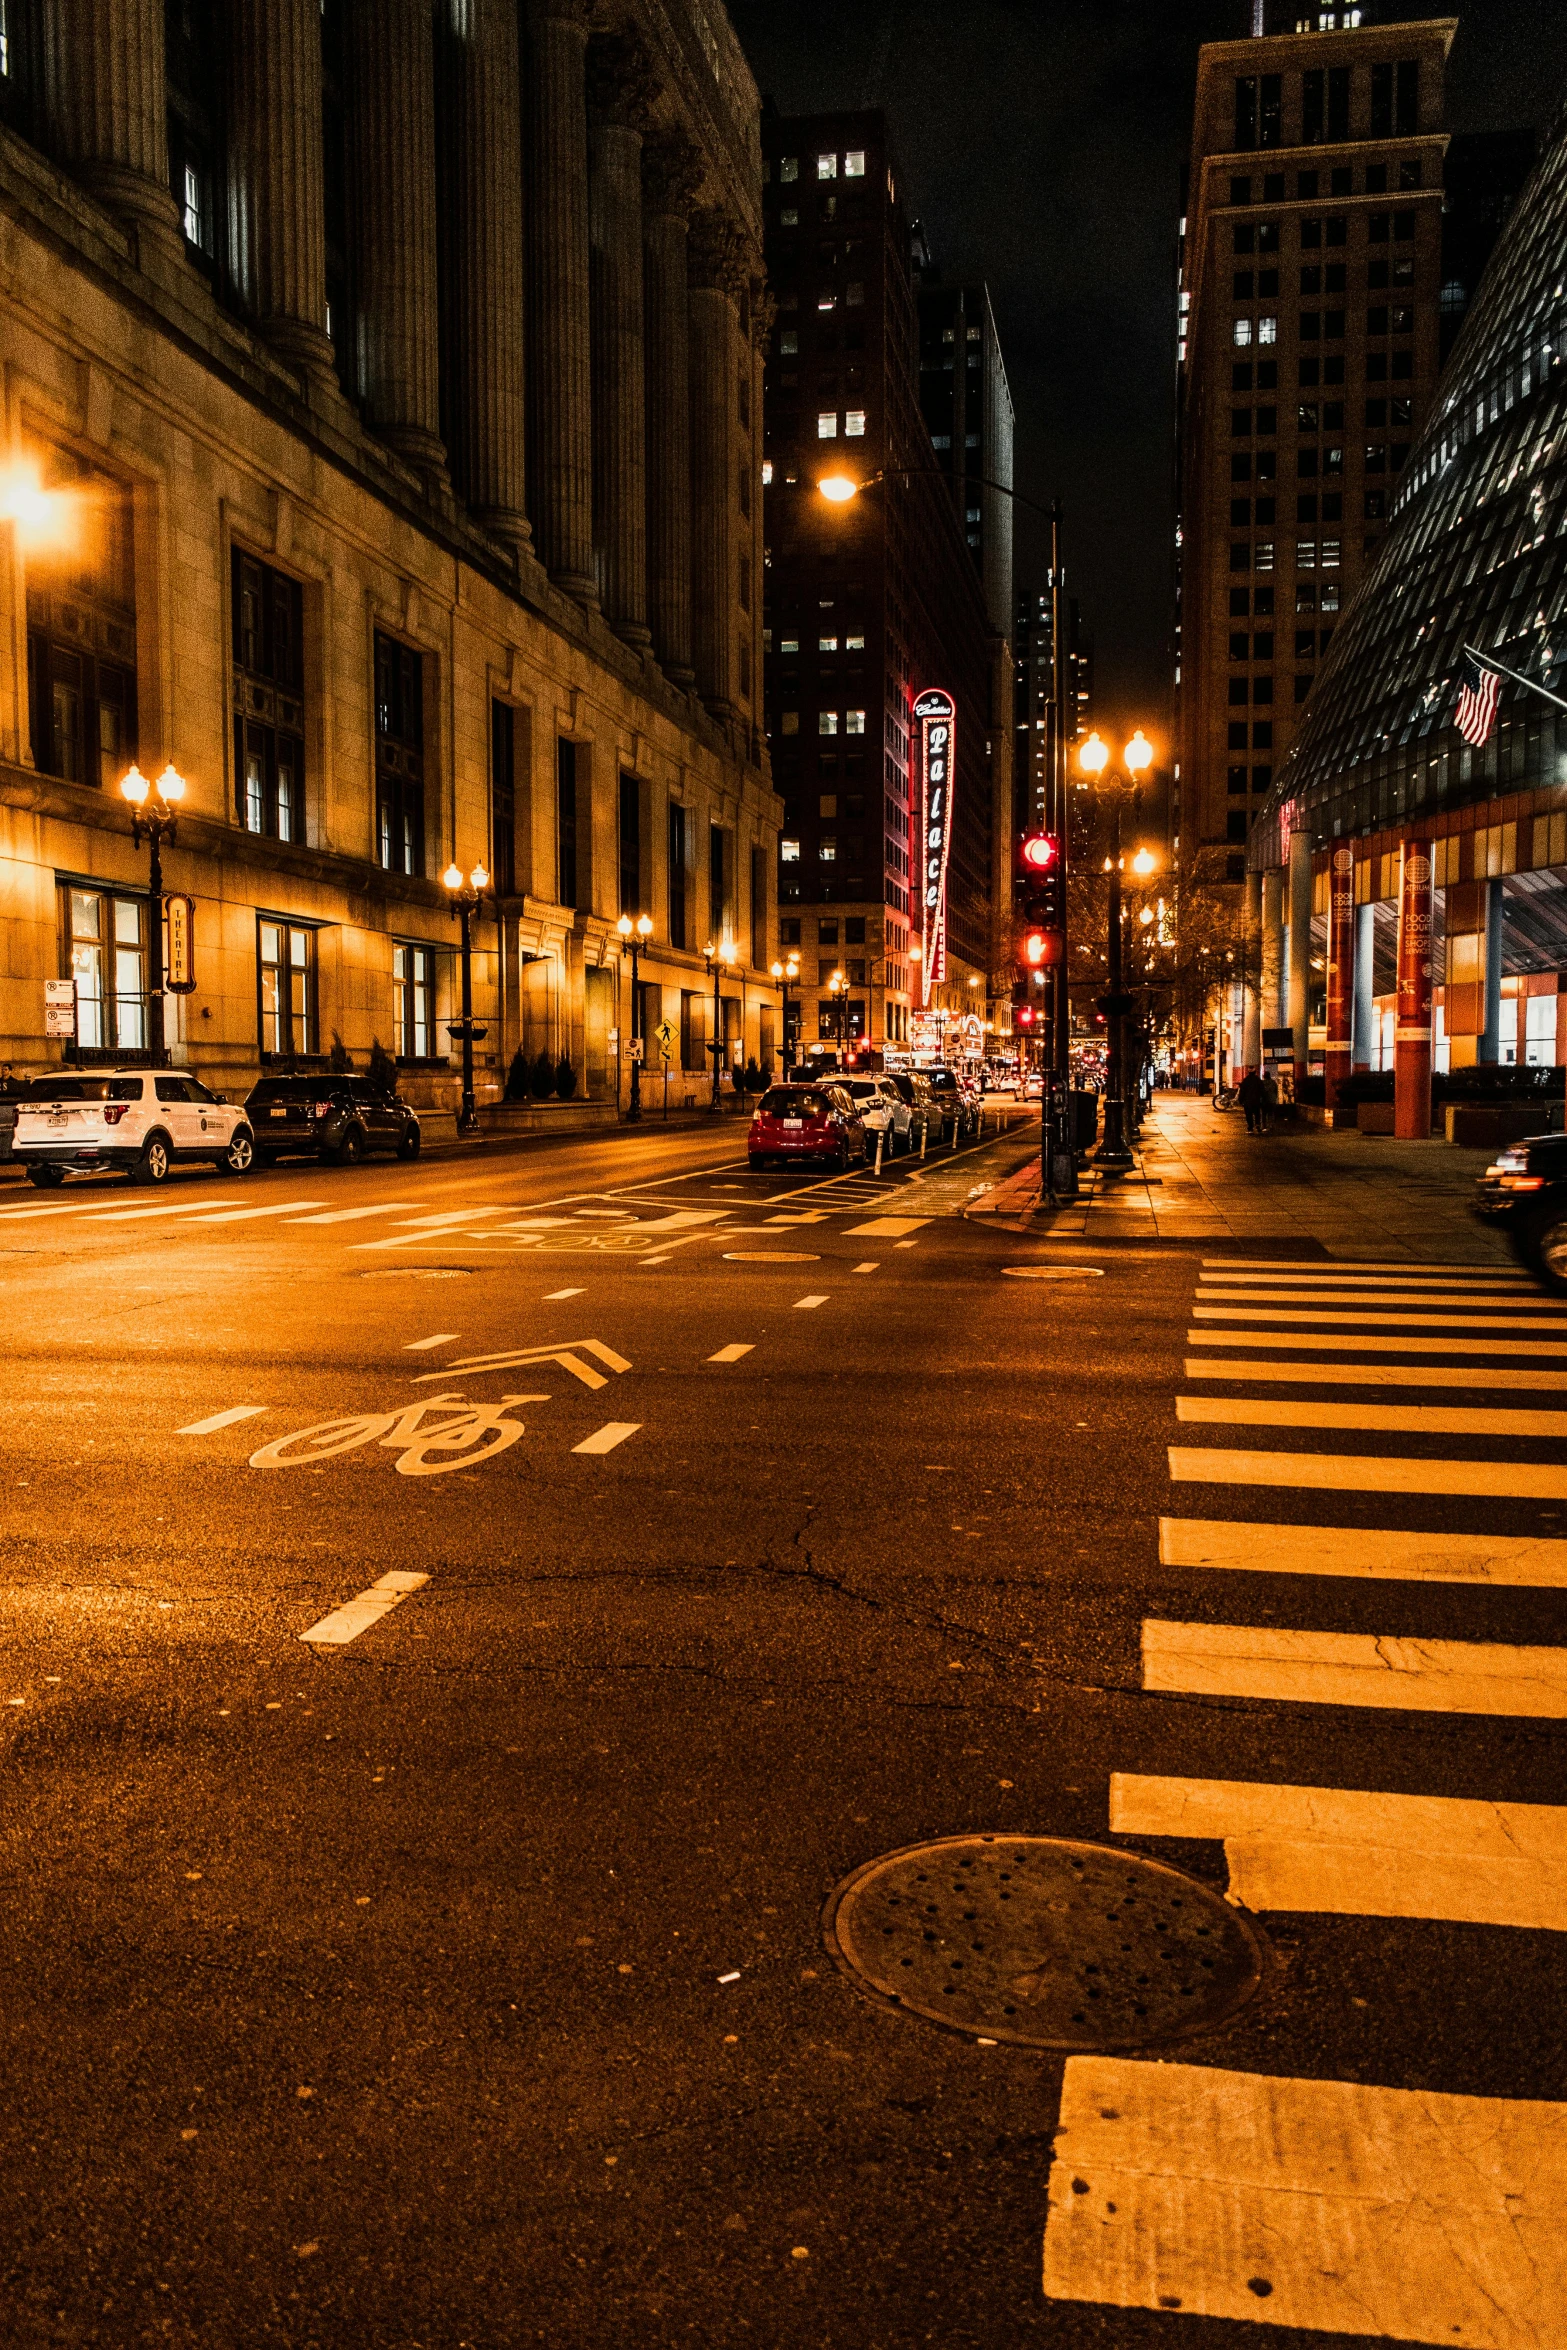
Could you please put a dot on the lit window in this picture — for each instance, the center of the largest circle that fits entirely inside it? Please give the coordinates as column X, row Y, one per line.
column 827, row 644
column 827, row 167
column 854, row 424
column 789, row 167
column 767, row 472
column 1305, row 554
column 826, row 301
column 854, row 164
column 1267, row 330
column 1242, row 333
column 789, row 217
column 1264, row 555
column 854, row 644
column 790, row 644
column 791, row 722
column 191, row 209
column 826, row 721
column 789, row 852
column 941, row 440
column 1331, row 554
column 827, row 425
column 827, row 851
column 854, row 722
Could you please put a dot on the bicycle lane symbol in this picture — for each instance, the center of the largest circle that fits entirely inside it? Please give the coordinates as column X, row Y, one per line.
column 472, row 1434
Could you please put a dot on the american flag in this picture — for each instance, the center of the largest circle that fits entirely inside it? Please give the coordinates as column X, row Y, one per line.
column 1478, row 692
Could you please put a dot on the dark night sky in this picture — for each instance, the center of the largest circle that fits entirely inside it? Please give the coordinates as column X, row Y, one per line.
column 1041, row 144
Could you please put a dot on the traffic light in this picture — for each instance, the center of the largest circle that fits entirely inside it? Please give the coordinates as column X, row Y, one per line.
column 1041, row 899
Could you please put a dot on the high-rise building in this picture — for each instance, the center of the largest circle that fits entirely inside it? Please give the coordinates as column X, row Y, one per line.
column 871, row 602
column 1035, row 696
column 1481, row 177
column 1310, row 284
column 967, row 406
column 383, row 453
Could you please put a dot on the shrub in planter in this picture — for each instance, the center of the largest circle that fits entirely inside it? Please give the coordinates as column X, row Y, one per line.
column 752, row 1079
column 543, row 1078
column 1312, row 1092
column 565, row 1079
column 1366, row 1085
column 518, row 1077
column 339, row 1060
column 383, row 1069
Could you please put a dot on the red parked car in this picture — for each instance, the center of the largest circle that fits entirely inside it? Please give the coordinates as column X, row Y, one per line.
column 815, row 1123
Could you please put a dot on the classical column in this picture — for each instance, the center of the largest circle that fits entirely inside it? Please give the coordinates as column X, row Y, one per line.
column 1339, row 1053
column 560, row 393
column 620, row 84
column 483, row 179
column 718, row 275
column 391, row 156
column 1300, row 951
column 1412, row 1034
column 103, row 88
column 278, row 243
column 671, row 175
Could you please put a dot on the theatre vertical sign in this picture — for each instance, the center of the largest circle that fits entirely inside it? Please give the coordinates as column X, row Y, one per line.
column 935, row 736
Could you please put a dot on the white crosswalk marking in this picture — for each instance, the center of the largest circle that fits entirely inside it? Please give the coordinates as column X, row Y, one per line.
column 1307, row 1374
column 1543, row 1321
column 1355, row 1668
column 1376, row 1552
column 1368, row 1473
column 1334, row 1342
column 385, row 1207
column 1270, row 1411
column 1403, row 2215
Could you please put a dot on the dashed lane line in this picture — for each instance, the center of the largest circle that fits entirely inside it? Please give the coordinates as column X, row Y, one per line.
column 553, row 1296
column 1363, row 1473
column 422, row 1346
column 229, row 1419
column 1401, row 1419
column 606, row 1438
column 1301, row 1373
column 729, row 1354
column 873, row 1267
column 357, row 1615
column 1358, row 1853
column 1330, row 1342
column 802, row 1303
column 887, row 1227
column 1354, row 1668
column 1341, row 2207
column 1378, row 1553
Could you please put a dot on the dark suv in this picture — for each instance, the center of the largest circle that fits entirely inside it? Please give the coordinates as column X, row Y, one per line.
column 1525, row 1191
column 955, row 1105
column 338, row 1118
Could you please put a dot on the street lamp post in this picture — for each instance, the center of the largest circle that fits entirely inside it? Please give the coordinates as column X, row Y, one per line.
column 783, row 973
column 635, row 935
column 719, row 959
column 155, row 812
column 1114, row 1152
column 838, row 989
column 466, row 892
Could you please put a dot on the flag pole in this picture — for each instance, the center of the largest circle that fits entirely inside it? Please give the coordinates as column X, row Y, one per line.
column 1489, row 661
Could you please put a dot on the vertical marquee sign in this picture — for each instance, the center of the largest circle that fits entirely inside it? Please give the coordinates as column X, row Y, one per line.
column 935, row 732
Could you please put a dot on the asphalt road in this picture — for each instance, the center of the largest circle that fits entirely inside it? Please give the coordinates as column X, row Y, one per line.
column 510, row 2019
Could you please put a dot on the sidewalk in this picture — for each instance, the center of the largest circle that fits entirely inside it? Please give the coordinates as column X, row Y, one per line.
column 1298, row 1191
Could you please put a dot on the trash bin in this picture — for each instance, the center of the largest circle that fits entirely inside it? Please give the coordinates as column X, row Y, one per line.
column 1085, row 1117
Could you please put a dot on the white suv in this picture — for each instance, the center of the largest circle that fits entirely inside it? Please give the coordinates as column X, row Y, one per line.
column 882, row 1110
column 140, row 1119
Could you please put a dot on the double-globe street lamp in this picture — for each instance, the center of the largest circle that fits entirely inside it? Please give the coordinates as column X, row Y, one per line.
column 1094, row 759
column 155, row 812
column 719, row 959
column 783, row 975
column 635, row 935
column 466, row 892
column 838, row 989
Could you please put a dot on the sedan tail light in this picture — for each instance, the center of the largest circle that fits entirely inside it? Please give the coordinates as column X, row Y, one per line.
column 322, row 1109
column 113, row 1112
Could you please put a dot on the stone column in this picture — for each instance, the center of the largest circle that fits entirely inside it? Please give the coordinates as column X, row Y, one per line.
column 1272, row 947
column 1364, row 1040
column 620, row 84
column 1300, row 951
column 1251, row 1042
column 671, row 175
column 560, row 398
column 103, row 89
column 484, row 343
column 391, row 159
column 718, row 277
column 1412, row 1034
column 275, row 175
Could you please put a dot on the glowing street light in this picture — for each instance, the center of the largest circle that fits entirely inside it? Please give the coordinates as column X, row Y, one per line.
column 154, row 811
column 838, row 488
column 42, row 518
column 635, row 935
column 466, row 892
column 719, row 958
column 1093, row 758
column 784, row 974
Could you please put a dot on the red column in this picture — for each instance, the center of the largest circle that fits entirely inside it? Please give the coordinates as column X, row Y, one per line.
column 1341, row 968
column 1412, row 1035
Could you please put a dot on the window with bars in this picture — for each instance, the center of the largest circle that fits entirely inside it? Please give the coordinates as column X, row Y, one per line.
column 399, row 755
column 269, row 702
column 412, row 999
column 286, row 983
column 503, row 799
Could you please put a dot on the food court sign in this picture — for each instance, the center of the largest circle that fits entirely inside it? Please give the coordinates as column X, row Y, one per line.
column 935, row 735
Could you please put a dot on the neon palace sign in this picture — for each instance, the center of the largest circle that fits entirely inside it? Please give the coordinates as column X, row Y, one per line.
column 935, row 741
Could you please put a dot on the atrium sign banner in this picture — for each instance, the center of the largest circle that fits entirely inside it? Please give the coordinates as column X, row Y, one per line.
column 935, row 736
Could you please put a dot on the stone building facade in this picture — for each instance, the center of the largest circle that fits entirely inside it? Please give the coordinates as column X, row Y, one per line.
column 382, row 424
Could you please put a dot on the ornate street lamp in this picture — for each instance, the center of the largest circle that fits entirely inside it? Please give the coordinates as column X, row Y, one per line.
column 719, row 959
column 838, row 989
column 783, row 974
column 635, row 935
column 155, row 812
column 466, row 892
column 1114, row 1151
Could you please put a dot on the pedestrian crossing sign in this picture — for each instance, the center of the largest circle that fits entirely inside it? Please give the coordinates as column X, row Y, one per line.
column 666, row 1040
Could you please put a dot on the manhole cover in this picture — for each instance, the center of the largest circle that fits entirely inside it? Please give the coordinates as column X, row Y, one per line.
column 767, row 1256
column 417, row 1273
column 1044, row 1943
column 1053, row 1272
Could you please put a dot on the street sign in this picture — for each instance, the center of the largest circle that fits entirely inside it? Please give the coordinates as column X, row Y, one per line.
column 59, row 1007
column 179, row 945
column 636, row 1048
column 666, row 1039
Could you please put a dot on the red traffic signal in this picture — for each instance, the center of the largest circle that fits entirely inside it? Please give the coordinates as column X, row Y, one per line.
column 1042, row 947
column 1025, row 1017
column 1039, row 851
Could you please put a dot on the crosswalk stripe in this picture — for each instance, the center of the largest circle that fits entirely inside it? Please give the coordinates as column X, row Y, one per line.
column 1302, row 1373
column 1342, row 1277
column 1363, row 1854
column 1402, row 1419
column 255, row 1215
column 1345, row 1317
column 229, row 1419
column 162, row 1207
column 385, row 1207
column 1365, row 1473
column 1381, row 1554
column 429, row 1231
column 1330, row 1342
column 1324, row 1300
column 1354, row 1668
column 886, row 1227
column 1337, row 2206
column 1327, row 1268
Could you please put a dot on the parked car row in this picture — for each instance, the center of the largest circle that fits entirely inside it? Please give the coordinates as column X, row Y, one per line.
column 832, row 1117
column 145, row 1121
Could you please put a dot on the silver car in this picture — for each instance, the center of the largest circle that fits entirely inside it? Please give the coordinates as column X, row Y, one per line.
column 883, row 1111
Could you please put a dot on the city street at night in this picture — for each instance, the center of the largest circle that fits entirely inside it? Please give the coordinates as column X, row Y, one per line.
column 419, row 1863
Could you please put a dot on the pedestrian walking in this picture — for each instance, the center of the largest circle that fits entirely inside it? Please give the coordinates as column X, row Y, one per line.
column 1270, row 1102
column 1249, row 1093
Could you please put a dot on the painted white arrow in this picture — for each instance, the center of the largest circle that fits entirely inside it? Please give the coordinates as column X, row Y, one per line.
column 569, row 1356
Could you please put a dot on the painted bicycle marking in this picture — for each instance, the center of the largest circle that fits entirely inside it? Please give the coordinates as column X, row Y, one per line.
column 472, row 1434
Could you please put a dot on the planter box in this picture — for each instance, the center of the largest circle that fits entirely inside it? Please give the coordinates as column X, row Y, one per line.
column 1375, row 1117
column 1490, row 1126
column 1337, row 1121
